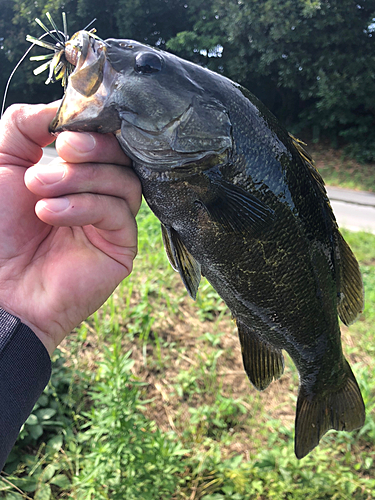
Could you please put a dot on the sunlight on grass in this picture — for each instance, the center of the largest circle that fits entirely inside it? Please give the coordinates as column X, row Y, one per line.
column 340, row 170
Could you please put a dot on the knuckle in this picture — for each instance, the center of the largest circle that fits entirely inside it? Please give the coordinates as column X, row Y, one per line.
column 13, row 111
column 14, row 114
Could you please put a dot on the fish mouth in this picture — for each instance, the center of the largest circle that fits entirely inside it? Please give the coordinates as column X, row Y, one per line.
column 87, row 105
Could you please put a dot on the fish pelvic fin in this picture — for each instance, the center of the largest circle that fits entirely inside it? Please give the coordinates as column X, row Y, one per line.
column 262, row 361
column 181, row 260
column 351, row 300
column 342, row 409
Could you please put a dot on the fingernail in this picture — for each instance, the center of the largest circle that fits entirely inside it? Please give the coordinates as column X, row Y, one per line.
column 50, row 174
column 80, row 141
column 55, row 205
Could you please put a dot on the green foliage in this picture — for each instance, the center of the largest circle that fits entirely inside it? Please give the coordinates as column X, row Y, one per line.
column 311, row 62
column 50, row 421
column 123, row 454
column 227, row 442
column 210, row 305
column 212, row 420
column 46, row 431
column 40, row 474
column 338, row 169
column 274, row 473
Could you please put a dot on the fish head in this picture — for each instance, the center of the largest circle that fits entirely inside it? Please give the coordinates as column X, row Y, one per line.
column 163, row 109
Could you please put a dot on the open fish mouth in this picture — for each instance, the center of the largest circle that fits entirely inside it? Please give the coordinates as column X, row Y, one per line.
column 80, row 60
column 92, row 82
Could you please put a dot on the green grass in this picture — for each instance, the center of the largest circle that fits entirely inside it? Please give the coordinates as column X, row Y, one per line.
column 337, row 169
column 148, row 400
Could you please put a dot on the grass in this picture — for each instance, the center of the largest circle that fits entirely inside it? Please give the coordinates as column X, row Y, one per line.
column 340, row 170
column 148, row 400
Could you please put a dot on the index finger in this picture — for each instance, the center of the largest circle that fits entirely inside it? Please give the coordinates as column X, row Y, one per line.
column 86, row 147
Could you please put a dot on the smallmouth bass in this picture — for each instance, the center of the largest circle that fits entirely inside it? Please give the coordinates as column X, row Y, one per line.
column 241, row 203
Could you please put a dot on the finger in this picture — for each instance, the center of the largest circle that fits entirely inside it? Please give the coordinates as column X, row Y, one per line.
column 81, row 147
column 24, row 131
column 60, row 178
column 109, row 214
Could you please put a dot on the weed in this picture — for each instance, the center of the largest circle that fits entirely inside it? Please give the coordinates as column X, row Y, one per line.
column 101, row 430
column 123, row 454
column 340, row 170
column 212, row 420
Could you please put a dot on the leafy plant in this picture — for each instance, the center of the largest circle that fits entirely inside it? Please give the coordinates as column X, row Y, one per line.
column 123, row 454
column 51, row 414
column 212, row 420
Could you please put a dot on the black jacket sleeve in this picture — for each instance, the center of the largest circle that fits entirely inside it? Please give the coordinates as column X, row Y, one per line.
column 25, row 368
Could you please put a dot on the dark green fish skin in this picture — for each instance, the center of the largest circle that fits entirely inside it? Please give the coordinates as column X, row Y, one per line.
column 241, row 203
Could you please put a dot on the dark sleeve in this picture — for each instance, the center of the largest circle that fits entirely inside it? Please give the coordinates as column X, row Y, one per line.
column 25, row 368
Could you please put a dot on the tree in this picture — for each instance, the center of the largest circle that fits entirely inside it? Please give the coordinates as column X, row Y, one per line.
column 312, row 62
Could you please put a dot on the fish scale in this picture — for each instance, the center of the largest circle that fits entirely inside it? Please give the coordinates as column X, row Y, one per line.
column 241, row 203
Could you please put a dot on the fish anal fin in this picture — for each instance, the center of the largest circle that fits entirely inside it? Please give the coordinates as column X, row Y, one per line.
column 181, row 260
column 341, row 410
column 351, row 301
column 262, row 362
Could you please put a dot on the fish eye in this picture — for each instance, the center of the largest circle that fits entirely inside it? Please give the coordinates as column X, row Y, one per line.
column 147, row 63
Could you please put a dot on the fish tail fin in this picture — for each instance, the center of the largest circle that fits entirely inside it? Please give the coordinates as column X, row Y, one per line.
column 341, row 409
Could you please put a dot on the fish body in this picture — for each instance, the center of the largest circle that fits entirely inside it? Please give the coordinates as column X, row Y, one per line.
column 240, row 202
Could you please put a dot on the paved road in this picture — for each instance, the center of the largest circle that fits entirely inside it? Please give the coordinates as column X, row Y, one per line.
column 354, row 210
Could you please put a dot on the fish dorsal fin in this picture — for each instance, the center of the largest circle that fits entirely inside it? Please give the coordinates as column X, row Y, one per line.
column 340, row 408
column 350, row 289
column 262, row 361
column 351, row 300
column 181, row 260
column 237, row 210
column 309, row 162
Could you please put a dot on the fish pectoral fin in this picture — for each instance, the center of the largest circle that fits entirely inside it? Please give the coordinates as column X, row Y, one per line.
column 342, row 409
column 351, row 301
column 181, row 260
column 262, row 361
column 237, row 210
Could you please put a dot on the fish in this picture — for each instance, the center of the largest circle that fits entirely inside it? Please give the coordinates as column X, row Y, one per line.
column 241, row 203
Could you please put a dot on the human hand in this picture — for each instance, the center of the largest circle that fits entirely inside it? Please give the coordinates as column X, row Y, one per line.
column 68, row 235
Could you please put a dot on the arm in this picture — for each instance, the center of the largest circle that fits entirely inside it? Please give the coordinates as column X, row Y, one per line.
column 25, row 369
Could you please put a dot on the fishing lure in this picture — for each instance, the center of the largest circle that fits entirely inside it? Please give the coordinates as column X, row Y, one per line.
column 61, row 62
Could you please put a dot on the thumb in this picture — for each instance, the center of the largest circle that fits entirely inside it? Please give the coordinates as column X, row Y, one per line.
column 24, row 132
